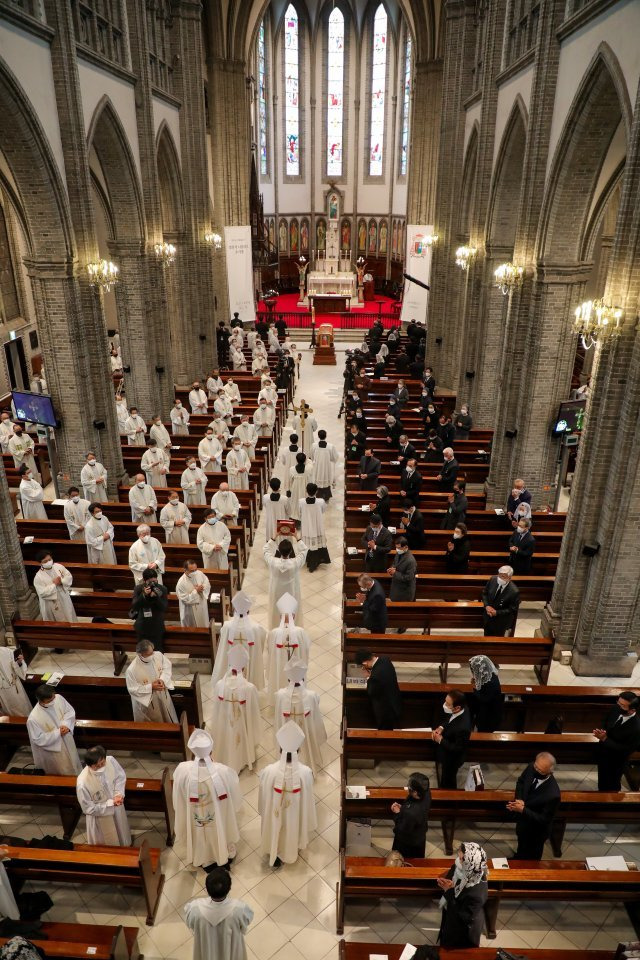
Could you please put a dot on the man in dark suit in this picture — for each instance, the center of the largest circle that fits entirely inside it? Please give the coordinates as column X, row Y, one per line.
column 501, row 599
column 619, row 737
column 452, row 738
column 374, row 604
column 456, row 508
column 536, row 801
column 448, row 471
column 429, row 380
column 521, row 547
column 412, row 525
column 356, row 442
column 406, row 451
column 519, row 494
column 403, row 573
column 378, row 542
column 410, row 482
column 369, row 470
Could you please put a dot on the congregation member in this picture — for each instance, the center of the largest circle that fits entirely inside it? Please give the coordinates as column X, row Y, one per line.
column 411, row 482
column 400, row 396
column 519, row 495
column 218, row 922
column 247, row 433
column 194, row 484
column 452, row 738
column 275, row 507
column 193, row 590
column 179, row 417
column 236, row 725
column 14, row 701
column 356, row 443
column 149, row 682
column 100, row 789
column 213, row 540
column 429, row 381
column 226, row 505
column 411, row 818
column 146, row 553
column 210, row 453
column 31, row 496
column 143, row 501
column 238, row 466
column 406, row 452
column 311, row 509
column 135, row 428
column 463, row 423
column 241, row 630
column 446, row 430
column 412, row 526
column 522, row 546
column 296, row 702
column 464, row 894
column 198, row 400
column 264, row 418
column 53, row 584
column 155, row 463
column 299, row 477
column 393, row 429
column 160, row 434
column 537, row 798
column 382, row 505
column 324, row 457
column 22, row 449
column 500, row 600
column 374, row 604
column 618, row 738
column 457, row 551
column 433, row 447
column 486, row 700
column 149, row 604
column 457, row 506
column 93, row 478
column 286, row 642
column 449, row 470
column 98, row 535
column 50, row 727
column 382, row 689
column 369, row 470
column 175, row 519
column 378, row 543
column 403, row 571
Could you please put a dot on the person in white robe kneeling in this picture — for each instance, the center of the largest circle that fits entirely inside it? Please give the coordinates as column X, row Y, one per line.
column 143, row 501
column 76, row 514
column 311, row 509
column 207, row 800
column 295, row 702
column 238, row 466
column 53, row 583
column 175, row 519
column 226, row 505
column 241, row 630
column 193, row 589
column 50, row 727
column 31, row 495
column 213, row 540
column 276, row 507
column 237, row 725
column 146, row 554
column 284, row 564
column 193, row 482
column 98, row 535
column 14, row 701
column 285, row 643
column 100, row 791
column 286, row 803
column 218, row 922
column 149, row 681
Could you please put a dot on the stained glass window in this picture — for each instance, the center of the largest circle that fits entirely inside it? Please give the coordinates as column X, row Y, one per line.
column 262, row 101
column 406, row 100
column 335, row 93
column 292, row 90
column 378, row 83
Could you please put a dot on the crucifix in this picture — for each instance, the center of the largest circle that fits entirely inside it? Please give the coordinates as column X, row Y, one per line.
column 303, row 412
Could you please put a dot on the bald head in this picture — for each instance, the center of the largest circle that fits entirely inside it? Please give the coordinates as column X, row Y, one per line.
column 544, row 763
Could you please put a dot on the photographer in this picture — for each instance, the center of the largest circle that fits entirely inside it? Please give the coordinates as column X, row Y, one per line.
column 149, row 603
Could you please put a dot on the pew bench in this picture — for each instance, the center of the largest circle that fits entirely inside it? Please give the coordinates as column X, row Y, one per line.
column 459, row 586
column 393, row 951
column 72, row 941
column 482, row 541
column 433, row 561
column 424, row 615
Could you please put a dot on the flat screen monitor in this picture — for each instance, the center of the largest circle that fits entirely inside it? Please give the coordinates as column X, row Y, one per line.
column 33, row 407
column 570, row 418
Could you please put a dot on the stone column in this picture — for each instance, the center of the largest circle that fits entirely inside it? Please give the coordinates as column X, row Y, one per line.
column 490, row 345
column 425, row 140
column 16, row 596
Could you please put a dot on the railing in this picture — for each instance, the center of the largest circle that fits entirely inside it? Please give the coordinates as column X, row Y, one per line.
column 348, row 321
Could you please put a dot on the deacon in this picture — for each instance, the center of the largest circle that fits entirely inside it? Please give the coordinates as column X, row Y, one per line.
column 76, row 514
column 31, row 496
column 285, row 642
column 14, row 701
column 135, row 428
column 241, row 630
column 50, row 727
column 325, row 457
column 175, row 518
column 287, row 457
column 143, row 501
column 193, row 589
column 284, row 566
column 193, row 482
column 218, row 923
column 210, row 453
column 247, row 433
column 226, row 505
column 276, row 507
column 53, row 583
column 155, row 463
column 296, row 702
column 198, row 400
column 146, row 553
column 98, row 535
column 179, row 417
column 264, row 418
column 237, row 725
column 238, row 465
column 93, row 478
column 213, row 540
column 100, row 790
column 22, row 449
column 149, row 681
column 160, row 434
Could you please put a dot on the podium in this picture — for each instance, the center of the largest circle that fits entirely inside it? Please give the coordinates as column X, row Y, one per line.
column 324, row 354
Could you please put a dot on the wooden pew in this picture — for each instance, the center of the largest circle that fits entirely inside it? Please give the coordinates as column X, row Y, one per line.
column 162, row 496
column 136, row 868
column 393, row 951
column 459, row 586
column 257, row 473
column 471, row 472
column 425, row 615
column 147, row 796
column 72, row 941
column 482, row 541
column 433, row 561
column 429, row 500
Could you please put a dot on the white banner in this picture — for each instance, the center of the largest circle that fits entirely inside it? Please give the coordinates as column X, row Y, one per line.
column 418, row 265
column 237, row 244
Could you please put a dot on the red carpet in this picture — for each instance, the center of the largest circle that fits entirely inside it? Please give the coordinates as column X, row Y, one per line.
column 361, row 317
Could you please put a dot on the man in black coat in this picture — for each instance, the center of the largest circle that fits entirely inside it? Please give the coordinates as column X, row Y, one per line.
column 500, row 599
column 410, row 482
column 411, row 818
column 374, row 604
column 452, row 738
column 457, row 507
column 521, row 547
column 403, row 571
column 406, row 451
column 369, row 470
column 448, row 471
column 356, row 442
column 619, row 737
column 536, row 801
column 402, row 361
column 378, row 542
column 446, row 430
column 429, row 380
column 148, row 606
column 412, row 525
column 519, row 494
column 382, row 689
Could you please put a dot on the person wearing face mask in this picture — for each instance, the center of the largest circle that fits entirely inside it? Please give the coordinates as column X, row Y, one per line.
column 98, row 535
column 50, row 727
column 31, row 496
column 324, row 457
column 198, row 400
column 369, row 470
column 456, row 554
column 155, row 464
column 411, row 818
column 175, row 518
column 247, row 433
column 214, row 383
column 448, row 471
column 411, row 482
column 100, row 790
column 233, row 392
column 406, row 452
column 93, row 478
column 519, row 494
column 6, row 430
column 226, row 505
column 53, row 584
column 403, row 572
column 210, row 453
column 464, row 895
column 149, row 680
column 220, row 430
column 21, row 448
column 306, row 430
column 268, row 393
column 618, row 738
column 463, row 422
column 521, row 547
column 457, row 505
column 179, row 417
column 236, row 356
column 537, row 798
column 378, row 543
column 238, row 466
column 412, row 525
column 160, row 434
column 500, row 599
column 142, row 501
column 452, row 739
column 194, row 484
column 429, row 381
column 400, row 395
column 193, row 589
column 393, row 430
column 264, row 418
column 375, row 615
column 122, row 414
column 146, row 554
column 213, row 542
column 135, row 428
column 356, row 443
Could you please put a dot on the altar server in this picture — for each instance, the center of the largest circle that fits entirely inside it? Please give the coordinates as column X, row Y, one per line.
column 276, row 507
column 210, row 453
column 324, row 456
column 155, row 463
column 226, row 505
column 135, row 428
column 311, row 510
column 218, row 922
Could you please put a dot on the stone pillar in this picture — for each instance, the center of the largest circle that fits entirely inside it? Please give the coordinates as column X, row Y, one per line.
column 489, row 344
column 425, row 140
column 16, row 596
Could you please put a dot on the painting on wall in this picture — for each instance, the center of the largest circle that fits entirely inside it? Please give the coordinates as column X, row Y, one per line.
column 283, row 234
column 373, row 238
column 321, row 235
column 362, row 236
column 304, row 236
column 334, row 206
column 383, row 238
column 294, row 237
column 345, row 236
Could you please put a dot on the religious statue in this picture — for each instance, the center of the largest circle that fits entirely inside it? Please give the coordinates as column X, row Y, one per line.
column 283, row 237
column 394, row 239
column 272, row 233
column 383, row 237
column 302, row 266
column 333, row 206
column 294, row 237
column 321, row 233
column 373, row 237
column 346, row 235
column 304, row 236
column 361, row 266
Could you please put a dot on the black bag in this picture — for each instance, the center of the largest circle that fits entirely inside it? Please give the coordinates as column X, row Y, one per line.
column 27, row 771
column 22, row 928
column 33, row 905
column 51, row 843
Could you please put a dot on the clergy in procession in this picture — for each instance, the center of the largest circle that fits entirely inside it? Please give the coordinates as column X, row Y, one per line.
column 247, row 433
column 155, row 463
column 264, row 418
column 31, row 496
column 284, row 562
column 76, row 514
column 198, row 400
column 241, row 630
column 100, row 789
column 146, row 553
column 286, row 803
column 160, row 434
column 193, row 482
column 220, row 429
column 233, row 392
column 193, row 589
column 285, row 642
column 296, row 702
column 98, row 535
column 22, row 449
column 311, row 510
column 179, row 417
column 6, row 430
column 210, row 453
column 175, row 518
column 310, row 427
column 238, row 466
column 53, row 584
column 226, row 505
column 299, row 477
column 218, row 922
column 135, row 428
column 207, row 800
column 50, row 727
column 149, row 681
column 143, row 501
column 287, row 457
column 324, row 456
column 223, row 408
column 213, row 540
column 93, row 478
column 14, row 701
column 122, row 414
column 214, row 383
column 237, row 724
column 276, row 507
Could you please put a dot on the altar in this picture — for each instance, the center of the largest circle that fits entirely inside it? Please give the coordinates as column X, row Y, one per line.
column 340, row 284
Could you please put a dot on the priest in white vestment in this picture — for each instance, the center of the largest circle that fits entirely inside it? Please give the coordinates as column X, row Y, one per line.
column 160, row 434
column 155, row 463
column 247, row 433
column 93, row 478
column 237, row 724
column 175, row 518
column 6, row 430
column 193, row 589
column 220, row 429
column 264, row 418
column 207, row 800
column 237, row 358
column 122, row 415
column 146, row 553
column 233, row 392
column 311, row 510
column 98, row 535
column 76, row 514
column 238, row 466
column 259, row 364
column 14, row 701
column 285, row 643
column 179, row 417
column 149, row 681
column 198, row 400
column 213, row 540
column 217, row 921
column 214, row 383
column 210, row 453
column 193, row 482
column 50, row 727
column 285, row 562
column 286, row 803
column 241, row 630
column 143, row 501
column 53, row 584
column 100, row 789
column 22, row 449
column 135, row 428
column 226, row 505
column 324, row 456
column 310, row 426
column 269, row 393
column 31, row 496
column 295, row 702
column 276, row 507
column 223, row 408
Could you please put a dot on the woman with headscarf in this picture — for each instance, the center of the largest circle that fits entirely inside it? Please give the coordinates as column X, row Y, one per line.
column 522, row 512
column 382, row 505
column 465, row 891
column 486, row 698
column 411, row 818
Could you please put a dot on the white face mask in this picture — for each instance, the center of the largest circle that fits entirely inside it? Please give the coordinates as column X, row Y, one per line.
column 141, row 484
column 522, row 529
column 146, row 538
column 447, row 709
column 174, row 503
column 98, row 514
column 76, row 499
column 516, row 493
column 502, row 581
column 236, row 448
column 192, row 466
column 464, row 411
column 178, row 405
column 47, row 565
column 27, row 476
column 212, row 520
column 209, row 436
column 400, row 551
column 456, row 535
column 91, row 463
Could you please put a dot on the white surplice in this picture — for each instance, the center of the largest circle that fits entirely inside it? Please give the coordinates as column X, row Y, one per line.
column 100, row 550
column 31, row 497
column 284, row 578
column 76, row 516
column 194, row 606
column 179, row 417
column 14, row 701
column 235, row 461
column 55, row 601
column 142, row 554
column 135, row 428
column 264, row 419
column 210, row 455
column 276, row 506
column 287, row 809
column 139, row 500
column 149, row 705
column 155, row 464
column 194, row 492
column 169, row 515
column 206, row 800
column 312, row 522
column 106, row 823
column 287, row 458
column 237, row 725
column 218, row 928
column 297, row 484
column 295, row 702
column 325, row 457
column 226, row 505
column 54, row 753
column 94, row 491
column 209, row 536
column 248, row 434
column 245, row 631
column 284, row 643
column 306, row 435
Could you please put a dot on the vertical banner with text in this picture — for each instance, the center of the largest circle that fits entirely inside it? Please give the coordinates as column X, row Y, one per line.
column 418, row 265
column 237, row 244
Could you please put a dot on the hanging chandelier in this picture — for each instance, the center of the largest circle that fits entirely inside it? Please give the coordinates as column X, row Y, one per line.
column 103, row 274
column 431, row 239
column 214, row 239
column 508, row 277
column 166, row 252
column 464, row 256
column 597, row 321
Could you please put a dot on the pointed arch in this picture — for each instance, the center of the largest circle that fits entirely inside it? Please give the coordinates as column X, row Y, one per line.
column 170, row 180
column 504, row 198
column 468, row 183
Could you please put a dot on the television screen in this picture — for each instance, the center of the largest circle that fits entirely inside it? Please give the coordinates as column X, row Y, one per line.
column 570, row 418
column 33, row 407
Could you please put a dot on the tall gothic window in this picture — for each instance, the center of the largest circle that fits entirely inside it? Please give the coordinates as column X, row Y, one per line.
column 335, row 93
column 406, row 103
column 378, row 84
column 262, row 101
column 292, row 92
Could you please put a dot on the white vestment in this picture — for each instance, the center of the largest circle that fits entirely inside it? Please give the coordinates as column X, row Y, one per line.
column 151, row 706
column 270, row 394
column 247, row 433
column 76, row 516
column 14, row 701
column 223, row 408
column 287, row 809
column 209, row 536
column 122, row 413
column 220, row 429
column 289, row 642
column 287, row 458
column 274, row 343
column 55, row 602
column 93, row 491
column 8, row 905
column 264, row 418
column 22, row 449
column 297, row 484
column 139, row 501
column 142, row 554
column 213, row 385
column 324, row 460
column 238, row 460
column 274, row 510
column 194, row 606
column 259, row 361
column 135, row 428
column 179, row 421
column 218, row 928
column 6, row 432
column 312, row 522
column 160, row 434
column 168, row 516
column 210, row 455
column 284, row 578
column 233, row 392
column 198, row 401
column 237, row 358
column 226, row 505
column 100, row 550
column 54, row 753
column 155, row 466
column 306, row 435
column 206, row 800
column 251, row 636
column 237, row 725
column 106, row 823
column 194, row 492
column 31, row 497
column 295, row 702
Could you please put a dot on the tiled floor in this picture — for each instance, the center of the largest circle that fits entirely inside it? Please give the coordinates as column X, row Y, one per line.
column 295, row 908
